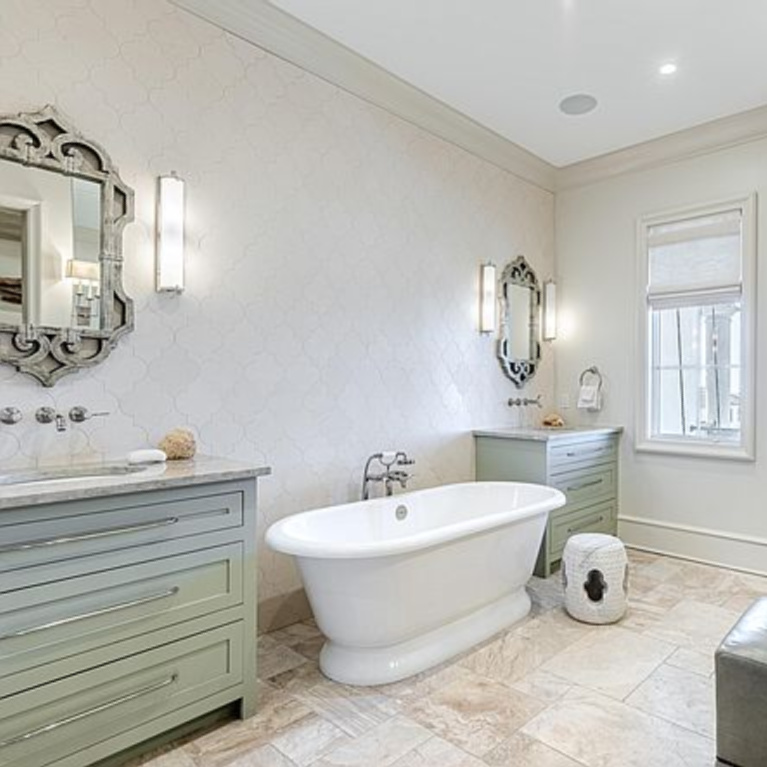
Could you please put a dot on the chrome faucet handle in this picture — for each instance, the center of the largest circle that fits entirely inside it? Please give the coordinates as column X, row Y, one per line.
column 401, row 459
column 78, row 414
column 45, row 414
column 10, row 415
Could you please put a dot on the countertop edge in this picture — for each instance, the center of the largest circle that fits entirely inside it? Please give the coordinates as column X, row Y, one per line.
column 542, row 435
column 103, row 488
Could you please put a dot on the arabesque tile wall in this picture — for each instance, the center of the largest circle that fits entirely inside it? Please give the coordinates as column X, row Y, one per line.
column 332, row 271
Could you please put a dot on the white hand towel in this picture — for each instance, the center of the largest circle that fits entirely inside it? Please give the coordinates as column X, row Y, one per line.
column 588, row 398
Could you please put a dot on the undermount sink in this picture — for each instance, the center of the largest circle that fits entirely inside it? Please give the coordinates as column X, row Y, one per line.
column 63, row 473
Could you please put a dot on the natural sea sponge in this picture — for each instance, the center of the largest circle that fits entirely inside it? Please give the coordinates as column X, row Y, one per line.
column 178, row 444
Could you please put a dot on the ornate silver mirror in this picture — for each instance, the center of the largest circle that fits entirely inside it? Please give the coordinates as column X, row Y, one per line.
column 519, row 345
column 63, row 208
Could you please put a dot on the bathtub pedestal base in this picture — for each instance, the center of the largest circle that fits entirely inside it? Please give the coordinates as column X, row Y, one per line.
column 390, row 663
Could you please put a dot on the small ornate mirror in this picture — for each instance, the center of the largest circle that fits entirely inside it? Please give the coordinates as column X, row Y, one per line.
column 63, row 208
column 519, row 346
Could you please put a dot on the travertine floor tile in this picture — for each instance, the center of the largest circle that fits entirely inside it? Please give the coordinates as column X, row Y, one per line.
column 309, row 739
column 520, row 699
column 274, row 658
column 276, row 711
column 525, row 649
column 601, row 732
column 265, row 756
column 681, row 697
column 523, row 751
column 695, row 625
column 543, row 685
column 692, row 660
column 612, row 660
column 354, row 709
column 437, row 752
column 474, row 714
column 381, row 746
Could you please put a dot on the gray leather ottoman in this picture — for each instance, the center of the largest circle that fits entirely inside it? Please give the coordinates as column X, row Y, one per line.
column 741, row 690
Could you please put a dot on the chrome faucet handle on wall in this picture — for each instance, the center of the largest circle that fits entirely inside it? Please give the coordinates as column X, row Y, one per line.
column 10, row 415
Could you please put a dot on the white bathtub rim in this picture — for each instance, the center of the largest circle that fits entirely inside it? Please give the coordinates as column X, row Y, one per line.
column 369, row 666
column 279, row 539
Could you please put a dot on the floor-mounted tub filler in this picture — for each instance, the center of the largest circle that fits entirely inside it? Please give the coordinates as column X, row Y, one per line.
column 400, row 584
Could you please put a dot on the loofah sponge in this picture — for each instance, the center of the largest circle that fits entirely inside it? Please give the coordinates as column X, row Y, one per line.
column 178, row 444
column 554, row 421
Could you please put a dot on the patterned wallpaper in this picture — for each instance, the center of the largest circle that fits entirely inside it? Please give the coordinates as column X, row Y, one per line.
column 332, row 271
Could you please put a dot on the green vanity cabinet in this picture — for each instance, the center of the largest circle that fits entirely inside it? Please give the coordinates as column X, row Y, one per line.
column 126, row 611
column 582, row 463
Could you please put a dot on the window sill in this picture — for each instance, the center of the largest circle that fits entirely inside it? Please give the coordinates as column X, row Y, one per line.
column 696, row 450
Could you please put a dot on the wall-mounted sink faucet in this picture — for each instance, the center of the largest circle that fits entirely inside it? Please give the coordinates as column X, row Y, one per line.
column 10, row 415
column 78, row 414
column 391, row 471
column 49, row 415
column 525, row 401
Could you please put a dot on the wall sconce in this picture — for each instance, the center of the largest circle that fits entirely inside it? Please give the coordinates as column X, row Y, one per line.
column 170, row 234
column 78, row 269
column 487, row 299
column 549, row 310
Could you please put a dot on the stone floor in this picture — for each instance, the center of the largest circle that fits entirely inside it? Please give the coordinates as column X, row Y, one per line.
column 549, row 692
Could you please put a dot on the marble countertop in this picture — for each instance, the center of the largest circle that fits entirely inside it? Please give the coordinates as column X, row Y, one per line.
column 547, row 433
column 159, row 476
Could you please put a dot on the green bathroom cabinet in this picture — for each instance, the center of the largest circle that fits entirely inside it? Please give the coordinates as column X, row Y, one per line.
column 123, row 617
column 582, row 463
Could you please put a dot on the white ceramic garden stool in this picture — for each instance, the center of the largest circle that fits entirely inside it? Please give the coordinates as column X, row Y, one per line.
column 594, row 572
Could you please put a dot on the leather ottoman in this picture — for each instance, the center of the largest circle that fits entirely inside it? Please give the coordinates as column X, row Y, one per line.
column 741, row 691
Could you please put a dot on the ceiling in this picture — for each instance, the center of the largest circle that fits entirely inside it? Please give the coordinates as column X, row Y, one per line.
column 508, row 63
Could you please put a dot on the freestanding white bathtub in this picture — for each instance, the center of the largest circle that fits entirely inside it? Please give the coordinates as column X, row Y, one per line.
column 401, row 584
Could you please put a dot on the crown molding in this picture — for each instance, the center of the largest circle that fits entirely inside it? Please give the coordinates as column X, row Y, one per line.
column 706, row 138
column 263, row 24
column 274, row 30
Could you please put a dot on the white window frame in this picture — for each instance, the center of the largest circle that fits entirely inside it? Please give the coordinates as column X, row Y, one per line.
column 712, row 448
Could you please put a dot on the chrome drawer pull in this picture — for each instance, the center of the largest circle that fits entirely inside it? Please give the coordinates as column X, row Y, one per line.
column 583, row 525
column 593, row 482
column 90, row 712
column 106, row 533
column 93, row 614
column 593, row 451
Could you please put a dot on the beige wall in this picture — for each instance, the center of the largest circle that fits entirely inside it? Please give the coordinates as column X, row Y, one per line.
column 333, row 261
column 710, row 509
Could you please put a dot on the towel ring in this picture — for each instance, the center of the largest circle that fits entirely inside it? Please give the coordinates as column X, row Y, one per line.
column 592, row 371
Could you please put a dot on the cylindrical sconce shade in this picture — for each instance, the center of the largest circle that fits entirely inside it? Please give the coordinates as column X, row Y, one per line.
column 487, row 298
column 549, row 310
column 170, row 234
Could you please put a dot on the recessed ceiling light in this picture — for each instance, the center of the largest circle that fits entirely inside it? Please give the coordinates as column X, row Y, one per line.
column 667, row 69
column 578, row 104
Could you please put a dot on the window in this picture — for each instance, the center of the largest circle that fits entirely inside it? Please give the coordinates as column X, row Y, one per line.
column 697, row 331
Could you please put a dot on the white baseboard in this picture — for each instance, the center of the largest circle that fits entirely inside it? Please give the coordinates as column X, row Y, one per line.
column 745, row 553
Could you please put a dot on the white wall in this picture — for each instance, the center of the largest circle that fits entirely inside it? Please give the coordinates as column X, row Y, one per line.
column 596, row 258
column 333, row 261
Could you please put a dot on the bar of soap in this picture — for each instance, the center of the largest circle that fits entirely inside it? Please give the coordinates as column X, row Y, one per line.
column 147, row 456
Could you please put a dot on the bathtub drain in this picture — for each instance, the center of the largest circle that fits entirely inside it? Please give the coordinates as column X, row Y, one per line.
column 401, row 512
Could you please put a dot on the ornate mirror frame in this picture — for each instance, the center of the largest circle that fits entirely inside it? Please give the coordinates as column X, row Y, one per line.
column 519, row 371
column 48, row 141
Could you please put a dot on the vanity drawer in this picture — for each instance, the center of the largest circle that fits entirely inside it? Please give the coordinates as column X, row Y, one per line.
column 45, row 724
column 599, row 518
column 54, row 620
column 77, row 529
column 580, row 455
column 587, row 485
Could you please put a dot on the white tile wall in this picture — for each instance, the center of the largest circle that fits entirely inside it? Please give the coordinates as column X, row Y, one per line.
column 333, row 258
